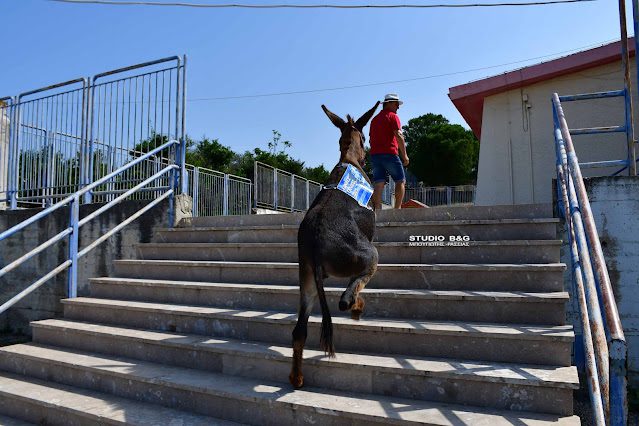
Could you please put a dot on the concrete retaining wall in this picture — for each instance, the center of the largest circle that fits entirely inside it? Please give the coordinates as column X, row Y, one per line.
column 45, row 302
column 615, row 207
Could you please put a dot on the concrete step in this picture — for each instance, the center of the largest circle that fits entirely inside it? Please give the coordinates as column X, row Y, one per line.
column 480, row 277
column 242, row 399
column 497, row 307
column 10, row 421
column 477, row 230
column 529, row 344
column 502, row 386
column 47, row 403
column 519, row 211
column 517, row 251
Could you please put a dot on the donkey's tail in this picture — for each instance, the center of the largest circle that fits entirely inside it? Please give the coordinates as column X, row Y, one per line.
column 326, row 335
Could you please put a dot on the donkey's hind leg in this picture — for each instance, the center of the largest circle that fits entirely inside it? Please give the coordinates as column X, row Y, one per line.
column 308, row 294
column 351, row 299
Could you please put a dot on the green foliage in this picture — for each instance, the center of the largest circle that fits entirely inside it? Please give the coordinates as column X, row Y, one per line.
column 210, row 154
column 318, row 174
column 153, row 141
column 441, row 153
column 213, row 155
column 274, row 144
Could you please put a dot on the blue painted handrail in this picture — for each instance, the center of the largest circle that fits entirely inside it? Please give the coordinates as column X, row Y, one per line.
column 603, row 337
column 73, row 201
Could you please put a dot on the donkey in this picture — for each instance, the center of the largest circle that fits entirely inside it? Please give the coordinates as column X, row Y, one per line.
column 334, row 239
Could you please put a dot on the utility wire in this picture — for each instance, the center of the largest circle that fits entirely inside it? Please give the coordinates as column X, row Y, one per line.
column 381, row 83
column 316, row 6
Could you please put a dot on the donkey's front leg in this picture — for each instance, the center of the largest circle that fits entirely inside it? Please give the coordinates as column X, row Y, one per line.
column 308, row 294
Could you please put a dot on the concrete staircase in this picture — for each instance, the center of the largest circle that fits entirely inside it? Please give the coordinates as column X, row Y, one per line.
column 198, row 331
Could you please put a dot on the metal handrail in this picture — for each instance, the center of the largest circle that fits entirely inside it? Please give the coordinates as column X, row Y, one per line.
column 73, row 201
column 604, row 340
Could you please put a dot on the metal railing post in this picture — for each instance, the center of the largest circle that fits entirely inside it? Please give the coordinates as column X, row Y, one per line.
column 449, row 192
column 49, row 173
column 292, row 192
column 85, row 142
column 225, row 201
column 635, row 21
column 74, row 218
column 173, row 179
column 182, row 163
column 275, row 188
column 255, row 187
column 625, row 63
column 618, row 385
column 14, row 160
column 196, row 191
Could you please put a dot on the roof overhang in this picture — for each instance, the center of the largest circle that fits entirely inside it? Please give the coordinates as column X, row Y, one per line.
column 469, row 98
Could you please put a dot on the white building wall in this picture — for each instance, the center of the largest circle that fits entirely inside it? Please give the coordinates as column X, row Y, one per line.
column 517, row 155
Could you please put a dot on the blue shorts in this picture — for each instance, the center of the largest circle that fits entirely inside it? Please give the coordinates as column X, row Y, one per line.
column 387, row 164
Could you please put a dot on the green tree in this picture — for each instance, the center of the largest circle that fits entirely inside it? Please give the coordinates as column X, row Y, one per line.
column 273, row 144
column 441, row 153
column 210, row 154
column 318, row 174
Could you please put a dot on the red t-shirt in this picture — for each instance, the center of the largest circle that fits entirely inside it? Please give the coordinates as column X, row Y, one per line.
column 382, row 133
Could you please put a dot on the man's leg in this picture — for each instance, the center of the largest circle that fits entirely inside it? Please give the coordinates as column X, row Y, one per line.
column 399, row 193
column 377, row 195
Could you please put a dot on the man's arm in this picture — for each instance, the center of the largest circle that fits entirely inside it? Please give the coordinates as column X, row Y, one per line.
column 401, row 144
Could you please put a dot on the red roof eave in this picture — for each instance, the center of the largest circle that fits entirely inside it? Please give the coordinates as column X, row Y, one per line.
column 469, row 98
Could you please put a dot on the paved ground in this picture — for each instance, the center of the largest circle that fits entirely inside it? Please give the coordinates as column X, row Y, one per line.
column 583, row 410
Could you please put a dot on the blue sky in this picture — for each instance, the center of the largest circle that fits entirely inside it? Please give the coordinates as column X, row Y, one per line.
column 245, row 52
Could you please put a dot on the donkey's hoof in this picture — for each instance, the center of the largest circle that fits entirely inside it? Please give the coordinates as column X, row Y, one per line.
column 296, row 380
column 344, row 305
column 345, row 302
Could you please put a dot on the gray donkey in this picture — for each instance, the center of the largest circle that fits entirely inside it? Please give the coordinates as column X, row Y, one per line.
column 335, row 239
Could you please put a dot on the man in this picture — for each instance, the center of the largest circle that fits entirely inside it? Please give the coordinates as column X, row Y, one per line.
column 388, row 151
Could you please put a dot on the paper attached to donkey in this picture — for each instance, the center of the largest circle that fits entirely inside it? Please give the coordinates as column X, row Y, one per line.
column 356, row 186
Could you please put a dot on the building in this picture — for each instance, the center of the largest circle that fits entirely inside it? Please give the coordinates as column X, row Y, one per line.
column 511, row 114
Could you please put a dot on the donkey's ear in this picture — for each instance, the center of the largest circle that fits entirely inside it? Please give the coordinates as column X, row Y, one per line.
column 337, row 121
column 361, row 122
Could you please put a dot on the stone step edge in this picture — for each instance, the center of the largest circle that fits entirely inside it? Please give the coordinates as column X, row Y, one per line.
column 499, row 267
column 453, row 222
column 191, row 342
column 17, row 387
column 553, row 243
column 492, row 296
column 11, row 421
column 561, row 333
column 354, row 406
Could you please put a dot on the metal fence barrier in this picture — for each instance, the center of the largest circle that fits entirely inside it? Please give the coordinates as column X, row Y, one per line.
column 72, row 229
column 278, row 189
column 442, row 195
column 58, row 139
column 5, row 136
column 218, row 194
column 281, row 190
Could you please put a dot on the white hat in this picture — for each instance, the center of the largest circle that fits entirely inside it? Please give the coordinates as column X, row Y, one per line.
column 392, row 97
